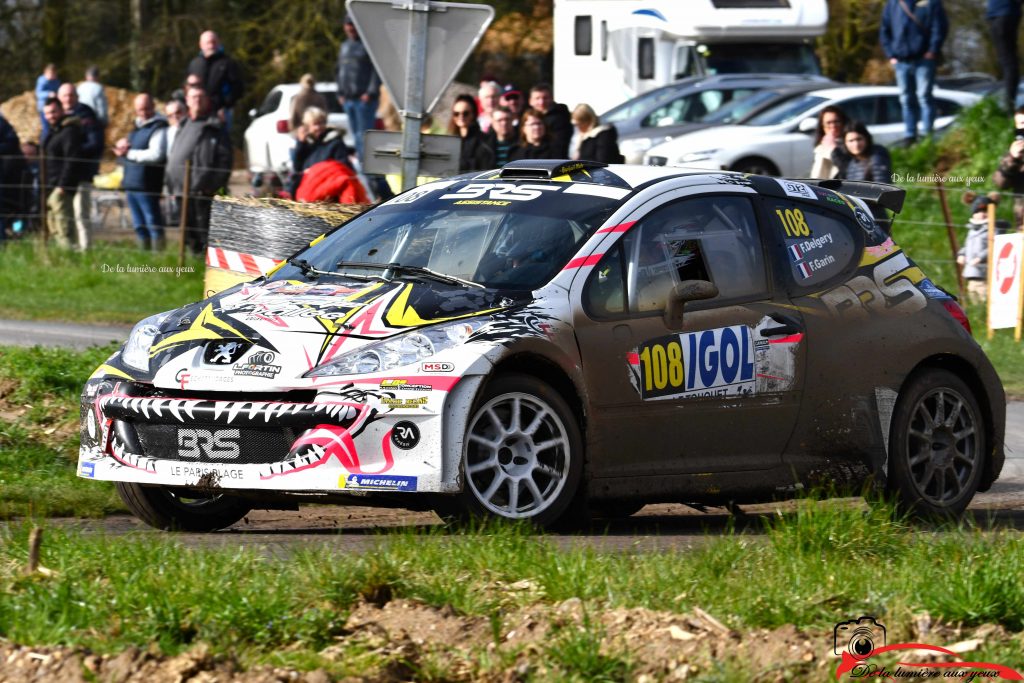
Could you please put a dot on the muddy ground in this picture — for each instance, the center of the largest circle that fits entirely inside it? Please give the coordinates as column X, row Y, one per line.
column 406, row 639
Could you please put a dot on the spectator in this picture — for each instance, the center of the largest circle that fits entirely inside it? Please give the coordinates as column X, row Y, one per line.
column 92, row 149
column 220, row 76
column 191, row 81
column 1009, row 174
column 513, row 99
column 12, row 170
column 557, row 121
column 1004, row 24
column 306, row 97
column 30, row 181
column 176, row 114
column 316, row 143
column 911, row 35
column 358, row 85
column 92, row 94
column 489, row 96
column 596, row 142
column 144, row 152
column 46, row 87
column 534, row 142
column 204, row 141
column 860, row 158
column 973, row 256
column 831, row 123
column 62, row 147
column 502, row 139
column 474, row 155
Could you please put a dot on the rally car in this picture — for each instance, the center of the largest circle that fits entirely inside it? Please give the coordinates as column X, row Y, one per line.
column 553, row 337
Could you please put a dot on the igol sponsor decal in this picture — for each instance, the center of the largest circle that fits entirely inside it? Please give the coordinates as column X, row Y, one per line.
column 377, row 481
column 717, row 362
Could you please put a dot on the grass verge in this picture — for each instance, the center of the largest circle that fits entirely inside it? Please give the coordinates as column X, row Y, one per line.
column 810, row 569
column 39, row 391
column 107, row 284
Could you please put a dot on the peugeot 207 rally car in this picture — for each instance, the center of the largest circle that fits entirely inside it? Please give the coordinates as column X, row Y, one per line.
column 555, row 336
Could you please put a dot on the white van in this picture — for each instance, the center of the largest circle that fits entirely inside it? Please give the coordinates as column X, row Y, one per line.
column 608, row 51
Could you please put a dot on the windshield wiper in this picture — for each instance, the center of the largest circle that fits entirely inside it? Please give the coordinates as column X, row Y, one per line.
column 393, row 269
column 312, row 272
column 433, row 275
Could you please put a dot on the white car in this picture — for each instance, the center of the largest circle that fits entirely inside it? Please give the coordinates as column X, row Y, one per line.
column 268, row 140
column 780, row 140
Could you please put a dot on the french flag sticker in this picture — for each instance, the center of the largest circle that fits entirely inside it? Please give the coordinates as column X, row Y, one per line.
column 805, row 270
column 796, row 252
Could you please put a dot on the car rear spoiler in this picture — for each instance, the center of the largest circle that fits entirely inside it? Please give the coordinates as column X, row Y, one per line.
column 878, row 196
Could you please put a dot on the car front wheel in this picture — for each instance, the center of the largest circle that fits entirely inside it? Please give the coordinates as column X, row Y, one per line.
column 937, row 445
column 523, row 454
column 176, row 509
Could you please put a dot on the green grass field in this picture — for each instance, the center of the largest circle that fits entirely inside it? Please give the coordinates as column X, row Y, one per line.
column 107, row 284
column 822, row 564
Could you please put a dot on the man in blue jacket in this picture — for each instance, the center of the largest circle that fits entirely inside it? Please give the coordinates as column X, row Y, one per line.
column 144, row 153
column 912, row 34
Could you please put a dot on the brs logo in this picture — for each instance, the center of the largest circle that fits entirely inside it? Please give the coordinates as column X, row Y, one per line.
column 221, row 444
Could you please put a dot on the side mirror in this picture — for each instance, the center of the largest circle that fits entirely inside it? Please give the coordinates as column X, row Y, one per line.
column 808, row 125
column 687, row 290
column 252, row 113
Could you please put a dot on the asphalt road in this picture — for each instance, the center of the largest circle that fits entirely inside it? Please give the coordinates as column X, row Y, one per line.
column 355, row 528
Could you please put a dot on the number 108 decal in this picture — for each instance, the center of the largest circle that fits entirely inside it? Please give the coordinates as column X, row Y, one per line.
column 717, row 362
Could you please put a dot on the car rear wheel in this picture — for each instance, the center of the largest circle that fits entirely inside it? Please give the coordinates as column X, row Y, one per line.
column 755, row 166
column 936, row 445
column 523, row 454
column 177, row 509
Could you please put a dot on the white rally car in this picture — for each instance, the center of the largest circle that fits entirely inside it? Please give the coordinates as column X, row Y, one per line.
column 514, row 343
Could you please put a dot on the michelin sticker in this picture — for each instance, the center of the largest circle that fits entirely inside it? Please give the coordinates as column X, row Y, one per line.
column 377, row 481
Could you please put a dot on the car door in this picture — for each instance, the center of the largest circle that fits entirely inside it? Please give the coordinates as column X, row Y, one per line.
column 721, row 393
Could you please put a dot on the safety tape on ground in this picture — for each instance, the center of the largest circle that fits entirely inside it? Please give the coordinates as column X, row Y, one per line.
column 239, row 262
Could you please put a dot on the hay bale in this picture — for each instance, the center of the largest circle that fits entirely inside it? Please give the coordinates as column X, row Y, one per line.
column 256, row 231
column 21, row 112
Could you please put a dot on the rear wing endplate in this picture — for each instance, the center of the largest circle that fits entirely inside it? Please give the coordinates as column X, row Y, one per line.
column 878, row 196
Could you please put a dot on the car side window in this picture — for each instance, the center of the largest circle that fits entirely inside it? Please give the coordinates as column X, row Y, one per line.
column 333, row 105
column 819, row 243
column 270, row 104
column 861, row 109
column 713, row 238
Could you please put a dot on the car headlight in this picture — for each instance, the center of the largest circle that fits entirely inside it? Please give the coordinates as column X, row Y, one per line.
column 136, row 350
column 401, row 350
column 698, row 156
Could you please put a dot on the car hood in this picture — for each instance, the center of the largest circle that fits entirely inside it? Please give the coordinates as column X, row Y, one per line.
column 293, row 326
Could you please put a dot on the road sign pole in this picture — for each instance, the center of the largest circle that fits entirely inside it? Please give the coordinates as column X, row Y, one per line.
column 414, row 79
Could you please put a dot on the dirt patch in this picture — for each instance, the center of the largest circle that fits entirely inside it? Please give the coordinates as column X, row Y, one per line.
column 405, row 638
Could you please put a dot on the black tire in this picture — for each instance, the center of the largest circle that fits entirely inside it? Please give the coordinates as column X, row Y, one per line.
column 936, row 446
column 755, row 166
column 178, row 509
column 504, row 473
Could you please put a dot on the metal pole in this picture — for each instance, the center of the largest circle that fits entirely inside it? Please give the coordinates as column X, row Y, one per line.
column 1020, row 289
column 990, row 269
column 414, row 83
column 952, row 239
column 183, row 218
column 42, row 194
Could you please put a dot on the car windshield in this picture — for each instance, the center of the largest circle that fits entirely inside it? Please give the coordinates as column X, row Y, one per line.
column 502, row 235
column 785, row 112
column 738, row 109
column 639, row 105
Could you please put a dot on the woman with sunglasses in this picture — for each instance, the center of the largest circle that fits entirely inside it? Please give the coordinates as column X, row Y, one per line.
column 831, row 123
column 534, row 141
column 475, row 154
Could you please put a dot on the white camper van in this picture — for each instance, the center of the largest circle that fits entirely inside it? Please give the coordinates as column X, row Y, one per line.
column 608, row 51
